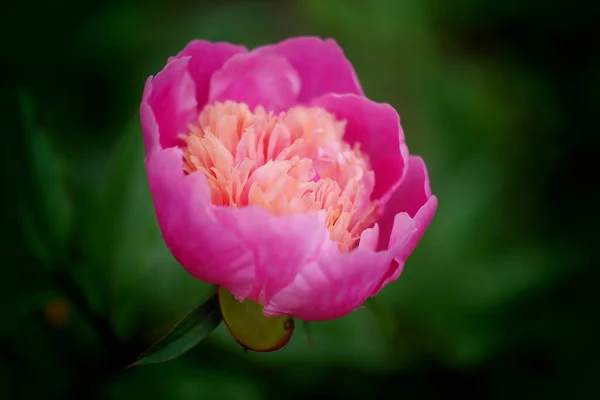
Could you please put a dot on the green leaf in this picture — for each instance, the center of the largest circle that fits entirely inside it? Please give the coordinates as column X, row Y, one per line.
column 45, row 206
column 250, row 328
column 186, row 334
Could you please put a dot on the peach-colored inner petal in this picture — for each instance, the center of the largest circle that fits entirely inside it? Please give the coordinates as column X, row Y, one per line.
column 292, row 163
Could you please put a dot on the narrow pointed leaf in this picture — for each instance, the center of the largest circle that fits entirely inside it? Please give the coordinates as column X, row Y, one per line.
column 44, row 204
column 190, row 331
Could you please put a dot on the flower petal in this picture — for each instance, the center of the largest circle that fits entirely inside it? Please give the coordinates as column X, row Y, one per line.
column 369, row 238
column 411, row 195
column 206, row 58
column 266, row 80
column 281, row 245
column 376, row 127
column 249, row 251
column 194, row 235
column 148, row 121
column 414, row 198
column 422, row 220
column 171, row 97
column 321, row 65
column 333, row 286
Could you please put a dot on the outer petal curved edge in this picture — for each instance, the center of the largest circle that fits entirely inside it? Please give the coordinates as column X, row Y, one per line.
column 148, row 121
column 376, row 126
column 265, row 80
column 171, row 97
column 414, row 191
column 321, row 65
column 422, row 220
column 205, row 59
column 414, row 198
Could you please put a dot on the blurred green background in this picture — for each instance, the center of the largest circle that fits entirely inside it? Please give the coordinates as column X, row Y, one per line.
column 498, row 301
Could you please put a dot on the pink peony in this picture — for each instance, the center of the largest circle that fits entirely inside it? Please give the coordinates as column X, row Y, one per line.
column 274, row 177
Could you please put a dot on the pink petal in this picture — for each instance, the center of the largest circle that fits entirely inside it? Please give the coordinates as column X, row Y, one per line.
column 266, row 80
column 333, row 286
column 281, row 246
column 206, row 58
column 195, row 237
column 414, row 198
column 249, row 251
column 369, row 238
column 321, row 65
column 148, row 121
column 377, row 128
column 421, row 220
column 171, row 98
column 411, row 195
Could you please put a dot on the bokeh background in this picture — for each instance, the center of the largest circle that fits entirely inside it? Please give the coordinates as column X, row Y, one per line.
column 499, row 300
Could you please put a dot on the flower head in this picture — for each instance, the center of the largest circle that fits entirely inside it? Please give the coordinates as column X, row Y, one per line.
column 274, row 177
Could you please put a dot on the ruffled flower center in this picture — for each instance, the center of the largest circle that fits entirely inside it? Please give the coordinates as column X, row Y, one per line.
column 292, row 163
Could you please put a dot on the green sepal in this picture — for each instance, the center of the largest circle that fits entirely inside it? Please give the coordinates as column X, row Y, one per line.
column 250, row 328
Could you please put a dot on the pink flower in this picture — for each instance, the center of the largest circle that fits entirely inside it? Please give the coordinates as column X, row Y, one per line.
column 274, row 177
